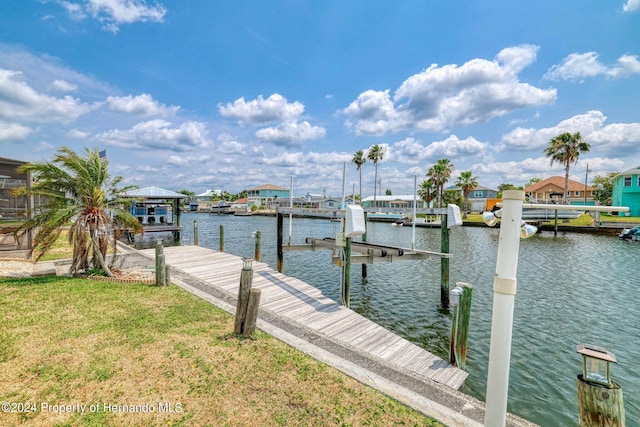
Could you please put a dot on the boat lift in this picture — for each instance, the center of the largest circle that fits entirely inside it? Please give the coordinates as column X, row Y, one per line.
column 366, row 252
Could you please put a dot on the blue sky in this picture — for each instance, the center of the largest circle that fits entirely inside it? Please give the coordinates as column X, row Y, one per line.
column 233, row 94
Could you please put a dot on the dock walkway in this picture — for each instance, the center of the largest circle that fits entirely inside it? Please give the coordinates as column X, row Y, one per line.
column 302, row 316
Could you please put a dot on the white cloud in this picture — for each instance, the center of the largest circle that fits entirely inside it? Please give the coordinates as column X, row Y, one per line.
column 578, row 66
column 19, row 101
column 631, row 5
column 159, row 135
column 451, row 96
column 63, row 86
column 260, row 110
column 290, row 133
column 531, row 139
column 113, row 13
column 13, row 131
column 141, row 105
column 411, row 151
column 77, row 134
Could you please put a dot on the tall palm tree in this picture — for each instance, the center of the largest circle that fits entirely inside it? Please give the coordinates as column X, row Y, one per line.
column 79, row 193
column 375, row 154
column 466, row 182
column 439, row 174
column 565, row 149
column 359, row 159
column 425, row 191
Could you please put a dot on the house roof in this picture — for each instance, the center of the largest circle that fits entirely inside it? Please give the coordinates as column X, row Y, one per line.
column 154, row 193
column 393, row 198
column 557, row 181
column 268, row 187
column 477, row 187
column 634, row 171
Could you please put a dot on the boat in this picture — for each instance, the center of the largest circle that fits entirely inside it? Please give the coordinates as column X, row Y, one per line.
column 535, row 214
column 221, row 208
column 386, row 217
column 632, row 233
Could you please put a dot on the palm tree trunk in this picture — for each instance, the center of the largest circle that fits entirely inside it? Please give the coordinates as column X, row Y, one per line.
column 375, row 183
column 360, row 170
column 566, row 184
column 97, row 255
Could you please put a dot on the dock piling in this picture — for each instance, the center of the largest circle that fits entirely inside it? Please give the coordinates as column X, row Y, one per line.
column 221, row 238
column 246, row 280
column 460, row 320
column 195, row 233
column 161, row 267
column 444, row 263
column 257, row 250
column 251, row 318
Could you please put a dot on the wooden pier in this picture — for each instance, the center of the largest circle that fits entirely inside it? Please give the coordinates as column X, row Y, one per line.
column 293, row 301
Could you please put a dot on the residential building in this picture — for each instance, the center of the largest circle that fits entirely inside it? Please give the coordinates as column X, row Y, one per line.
column 626, row 190
column 400, row 201
column 551, row 190
column 266, row 195
column 478, row 197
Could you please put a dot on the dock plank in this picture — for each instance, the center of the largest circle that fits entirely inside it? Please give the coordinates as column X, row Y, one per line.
column 297, row 301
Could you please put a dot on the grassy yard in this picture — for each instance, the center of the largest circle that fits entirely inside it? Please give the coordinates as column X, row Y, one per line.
column 168, row 358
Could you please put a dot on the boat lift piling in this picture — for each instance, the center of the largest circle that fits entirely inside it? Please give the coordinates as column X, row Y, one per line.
column 363, row 252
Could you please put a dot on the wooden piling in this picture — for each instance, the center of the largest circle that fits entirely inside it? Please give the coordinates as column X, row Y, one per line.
column 251, row 318
column 161, row 268
column 599, row 406
column 444, row 263
column 257, row 250
column 167, row 275
column 460, row 320
column 346, row 295
column 246, row 279
column 364, row 239
column 195, row 233
column 280, row 236
column 221, row 238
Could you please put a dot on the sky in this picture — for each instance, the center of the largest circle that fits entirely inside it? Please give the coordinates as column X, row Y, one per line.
column 230, row 95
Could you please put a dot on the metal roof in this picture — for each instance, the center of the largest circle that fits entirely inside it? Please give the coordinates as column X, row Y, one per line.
column 154, row 193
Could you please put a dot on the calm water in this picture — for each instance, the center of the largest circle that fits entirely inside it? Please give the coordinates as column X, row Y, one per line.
column 572, row 289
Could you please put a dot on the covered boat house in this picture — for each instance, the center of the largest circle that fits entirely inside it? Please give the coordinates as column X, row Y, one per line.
column 157, row 209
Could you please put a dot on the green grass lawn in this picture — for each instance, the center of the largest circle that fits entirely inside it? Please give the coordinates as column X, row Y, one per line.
column 109, row 346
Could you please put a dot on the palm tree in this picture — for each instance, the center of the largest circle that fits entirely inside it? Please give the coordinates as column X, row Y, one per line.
column 359, row 159
column 78, row 192
column 565, row 149
column 466, row 182
column 439, row 174
column 375, row 154
column 426, row 191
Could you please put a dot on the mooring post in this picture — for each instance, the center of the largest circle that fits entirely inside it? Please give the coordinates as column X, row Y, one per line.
column 346, row 297
column 256, row 251
column 280, row 236
column 161, row 269
column 167, row 275
column 461, row 297
column 444, row 263
column 195, row 233
column 221, row 238
column 364, row 239
column 246, row 279
column 251, row 318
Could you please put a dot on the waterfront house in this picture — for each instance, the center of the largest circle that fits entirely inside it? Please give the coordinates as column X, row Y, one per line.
column 626, row 190
column 544, row 191
column 14, row 208
column 400, row 201
column 478, row 197
column 266, row 195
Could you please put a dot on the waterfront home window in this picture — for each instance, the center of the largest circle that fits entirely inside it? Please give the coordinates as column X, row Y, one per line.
column 478, row 193
column 627, row 181
column 638, row 180
column 576, row 193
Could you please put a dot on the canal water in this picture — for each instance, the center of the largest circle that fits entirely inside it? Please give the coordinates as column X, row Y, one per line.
column 572, row 289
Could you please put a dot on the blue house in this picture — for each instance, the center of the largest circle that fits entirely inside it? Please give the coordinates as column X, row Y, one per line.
column 626, row 190
column 267, row 195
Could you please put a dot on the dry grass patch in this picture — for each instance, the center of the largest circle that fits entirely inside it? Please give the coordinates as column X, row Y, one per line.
column 145, row 355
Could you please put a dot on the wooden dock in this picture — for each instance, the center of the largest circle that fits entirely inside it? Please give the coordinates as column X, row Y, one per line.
column 294, row 301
